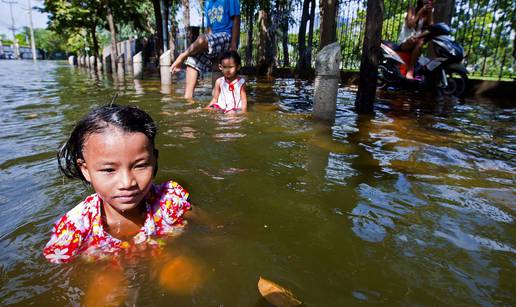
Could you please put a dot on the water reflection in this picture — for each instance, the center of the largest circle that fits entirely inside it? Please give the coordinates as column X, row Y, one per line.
column 404, row 207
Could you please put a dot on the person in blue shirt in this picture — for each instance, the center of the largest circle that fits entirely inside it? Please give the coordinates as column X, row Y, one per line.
column 222, row 34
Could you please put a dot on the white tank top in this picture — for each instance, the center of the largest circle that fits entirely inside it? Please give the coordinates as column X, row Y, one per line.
column 229, row 96
column 407, row 32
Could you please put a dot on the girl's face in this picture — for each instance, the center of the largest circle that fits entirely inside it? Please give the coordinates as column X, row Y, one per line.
column 229, row 68
column 120, row 166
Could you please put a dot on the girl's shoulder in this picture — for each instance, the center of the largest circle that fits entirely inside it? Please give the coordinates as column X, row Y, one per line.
column 169, row 190
column 169, row 202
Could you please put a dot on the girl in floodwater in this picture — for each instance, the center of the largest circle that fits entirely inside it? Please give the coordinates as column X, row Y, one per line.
column 112, row 149
column 229, row 94
column 412, row 36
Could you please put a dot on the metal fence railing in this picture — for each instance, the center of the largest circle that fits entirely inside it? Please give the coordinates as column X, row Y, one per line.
column 485, row 28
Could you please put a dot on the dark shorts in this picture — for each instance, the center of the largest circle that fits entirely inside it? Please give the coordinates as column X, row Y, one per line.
column 217, row 43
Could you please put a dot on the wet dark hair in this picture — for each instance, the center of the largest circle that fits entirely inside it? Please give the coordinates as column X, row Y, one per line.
column 126, row 118
column 231, row 55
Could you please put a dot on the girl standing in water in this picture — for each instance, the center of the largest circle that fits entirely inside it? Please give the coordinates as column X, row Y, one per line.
column 112, row 149
column 229, row 93
column 412, row 36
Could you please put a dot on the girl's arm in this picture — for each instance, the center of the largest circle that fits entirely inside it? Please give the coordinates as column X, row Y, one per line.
column 411, row 19
column 67, row 238
column 215, row 93
column 243, row 97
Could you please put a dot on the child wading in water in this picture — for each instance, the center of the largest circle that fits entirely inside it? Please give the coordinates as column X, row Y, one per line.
column 229, row 93
column 112, row 149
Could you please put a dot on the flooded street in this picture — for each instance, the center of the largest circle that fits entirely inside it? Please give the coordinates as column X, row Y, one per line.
column 413, row 206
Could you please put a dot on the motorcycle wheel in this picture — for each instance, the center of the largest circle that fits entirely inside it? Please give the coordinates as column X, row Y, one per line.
column 457, row 83
column 381, row 82
column 385, row 76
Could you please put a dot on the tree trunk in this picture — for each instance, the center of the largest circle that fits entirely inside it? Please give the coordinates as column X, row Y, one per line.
column 186, row 19
column 249, row 47
column 443, row 11
column 112, row 30
column 266, row 47
column 159, row 22
column 172, row 39
column 308, row 53
column 328, row 27
column 370, row 57
column 166, row 16
column 285, row 13
column 95, row 44
column 301, row 38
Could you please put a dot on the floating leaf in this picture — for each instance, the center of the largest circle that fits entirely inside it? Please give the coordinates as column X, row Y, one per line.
column 276, row 294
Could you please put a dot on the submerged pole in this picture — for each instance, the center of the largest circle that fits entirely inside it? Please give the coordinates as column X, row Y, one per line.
column 99, row 65
column 366, row 94
column 164, row 68
column 91, row 63
column 138, row 65
column 327, row 77
column 109, row 63
column 120, row 69
column 72, row 60
column 32, row 40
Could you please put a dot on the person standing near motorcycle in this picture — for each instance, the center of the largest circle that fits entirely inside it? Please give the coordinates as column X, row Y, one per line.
column 412, row 36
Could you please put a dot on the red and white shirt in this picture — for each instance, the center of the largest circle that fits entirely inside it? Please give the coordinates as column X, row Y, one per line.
column 230, row 94
column 81, row 231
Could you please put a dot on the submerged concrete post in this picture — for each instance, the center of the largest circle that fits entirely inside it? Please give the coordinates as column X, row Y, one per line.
column 120, row 69
column 72, row 60
column 108, row 63
column 92, row 63
column 99, row 65
column 164, row 68
column 128, row 53
column 138, row 65
column 327, row 77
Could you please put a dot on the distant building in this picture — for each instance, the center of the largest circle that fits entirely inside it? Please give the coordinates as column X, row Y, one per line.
column 7, row 53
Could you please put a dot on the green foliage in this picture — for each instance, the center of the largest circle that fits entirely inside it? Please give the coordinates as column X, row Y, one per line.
column 486, row 30
column 75, row 19
column 23, row 40
column 49, row 41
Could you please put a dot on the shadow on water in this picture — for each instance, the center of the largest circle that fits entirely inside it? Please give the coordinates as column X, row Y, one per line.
column 411, row 206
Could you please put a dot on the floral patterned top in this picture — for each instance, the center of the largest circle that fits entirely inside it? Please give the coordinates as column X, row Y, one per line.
column 80, row 230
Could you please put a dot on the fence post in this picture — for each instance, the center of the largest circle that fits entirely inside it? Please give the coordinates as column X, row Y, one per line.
column 327, row 77
column 164, row 68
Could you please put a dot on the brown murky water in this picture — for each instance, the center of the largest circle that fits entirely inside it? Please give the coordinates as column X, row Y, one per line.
column 414, row 206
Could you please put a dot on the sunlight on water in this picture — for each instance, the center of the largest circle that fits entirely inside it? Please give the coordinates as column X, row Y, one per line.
column 411, row 206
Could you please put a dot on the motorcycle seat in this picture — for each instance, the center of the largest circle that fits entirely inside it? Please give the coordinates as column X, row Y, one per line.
column 393, row 46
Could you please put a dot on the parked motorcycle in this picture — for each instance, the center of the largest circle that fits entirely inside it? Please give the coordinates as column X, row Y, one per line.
column 443, row 73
